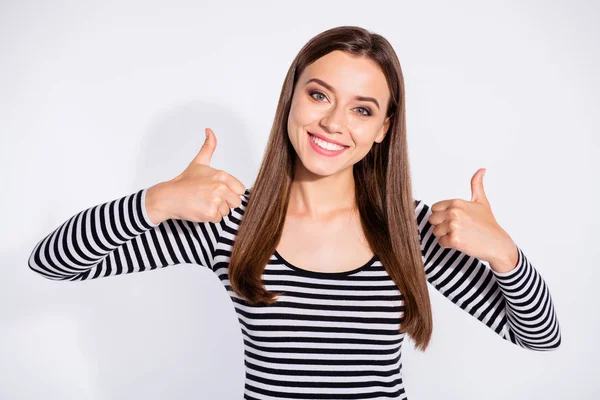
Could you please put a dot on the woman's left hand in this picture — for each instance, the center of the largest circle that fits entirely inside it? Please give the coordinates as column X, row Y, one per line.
column 470, row 227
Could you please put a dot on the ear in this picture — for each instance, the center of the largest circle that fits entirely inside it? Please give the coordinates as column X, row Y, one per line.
column 384, row 129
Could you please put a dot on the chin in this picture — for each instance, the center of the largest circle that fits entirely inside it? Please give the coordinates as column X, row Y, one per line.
column 320, row 169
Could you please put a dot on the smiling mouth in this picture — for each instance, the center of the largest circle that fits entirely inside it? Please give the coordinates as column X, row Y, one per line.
column 325, row 144
column 324, row 147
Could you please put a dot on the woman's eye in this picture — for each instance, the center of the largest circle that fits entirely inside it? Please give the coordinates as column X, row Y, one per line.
column 313, row 93
column 367, row 112
column 364, row 111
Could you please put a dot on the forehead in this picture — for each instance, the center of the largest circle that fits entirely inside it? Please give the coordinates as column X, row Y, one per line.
column 349, row 75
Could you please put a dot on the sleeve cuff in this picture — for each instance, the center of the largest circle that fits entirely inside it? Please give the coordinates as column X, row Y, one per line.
column 515, row 270
column 144, row 211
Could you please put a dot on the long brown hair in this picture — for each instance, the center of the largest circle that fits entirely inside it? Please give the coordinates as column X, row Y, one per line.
column 383, row 190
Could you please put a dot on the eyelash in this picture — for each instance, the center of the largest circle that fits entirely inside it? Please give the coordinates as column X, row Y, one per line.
column 313, row 92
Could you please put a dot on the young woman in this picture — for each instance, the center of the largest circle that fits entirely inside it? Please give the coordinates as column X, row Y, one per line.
column 327, row 257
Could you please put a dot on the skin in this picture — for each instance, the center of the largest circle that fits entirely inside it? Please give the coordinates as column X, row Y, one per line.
column 324, row 184
column 322, row 231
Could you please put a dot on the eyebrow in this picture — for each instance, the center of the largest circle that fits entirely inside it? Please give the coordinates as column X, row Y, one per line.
column 330, row 88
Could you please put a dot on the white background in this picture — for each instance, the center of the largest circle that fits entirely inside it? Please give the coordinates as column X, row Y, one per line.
column 100, row 100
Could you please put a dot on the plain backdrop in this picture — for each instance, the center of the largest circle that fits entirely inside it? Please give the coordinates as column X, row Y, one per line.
column 100, row 99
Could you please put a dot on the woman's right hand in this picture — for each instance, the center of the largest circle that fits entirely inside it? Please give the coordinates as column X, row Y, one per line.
column 199, row 194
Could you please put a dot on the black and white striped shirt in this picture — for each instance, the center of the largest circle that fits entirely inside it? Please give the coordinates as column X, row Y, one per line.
column 331, row 335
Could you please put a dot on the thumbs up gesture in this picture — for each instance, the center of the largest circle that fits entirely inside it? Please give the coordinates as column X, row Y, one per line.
column 470, row 227
column 199, row 194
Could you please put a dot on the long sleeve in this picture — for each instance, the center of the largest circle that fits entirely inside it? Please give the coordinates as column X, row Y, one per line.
column 517, row 305
column 117, row 237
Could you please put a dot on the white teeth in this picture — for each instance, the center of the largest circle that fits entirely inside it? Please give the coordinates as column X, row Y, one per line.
column 325, row 145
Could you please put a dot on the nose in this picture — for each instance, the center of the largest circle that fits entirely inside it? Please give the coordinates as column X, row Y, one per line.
column 335, row 120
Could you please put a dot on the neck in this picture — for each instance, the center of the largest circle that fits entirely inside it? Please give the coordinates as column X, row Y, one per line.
column 316, row 196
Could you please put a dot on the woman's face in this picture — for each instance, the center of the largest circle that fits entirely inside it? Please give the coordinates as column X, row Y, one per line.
column 342, row 99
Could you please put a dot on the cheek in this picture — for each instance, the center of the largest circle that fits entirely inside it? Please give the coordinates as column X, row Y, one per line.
column 303, row 112
column 292, row 126
column 364, row 138
column 295, row 115
column 291, row 120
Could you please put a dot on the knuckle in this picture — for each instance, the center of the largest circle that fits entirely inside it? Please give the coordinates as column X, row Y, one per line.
column 214, row 215
column 455, row 203
column 454, row 240
column 221, row 187
column 220, row 174
column 454, row 213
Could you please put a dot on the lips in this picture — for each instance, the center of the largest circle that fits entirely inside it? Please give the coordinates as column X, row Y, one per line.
column 326, row 139
column 325, row 152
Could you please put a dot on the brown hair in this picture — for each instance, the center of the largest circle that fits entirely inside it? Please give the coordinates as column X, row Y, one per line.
column 383, row 189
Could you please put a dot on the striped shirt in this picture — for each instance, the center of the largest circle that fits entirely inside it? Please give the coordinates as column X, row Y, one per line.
column 331, row 335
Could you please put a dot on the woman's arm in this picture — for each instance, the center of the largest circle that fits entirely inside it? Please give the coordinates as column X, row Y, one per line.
column 517, row 304
column 118, row 237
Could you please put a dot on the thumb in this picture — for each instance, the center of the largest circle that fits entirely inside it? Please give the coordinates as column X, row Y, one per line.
column 477, row 191
column 208, row 148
